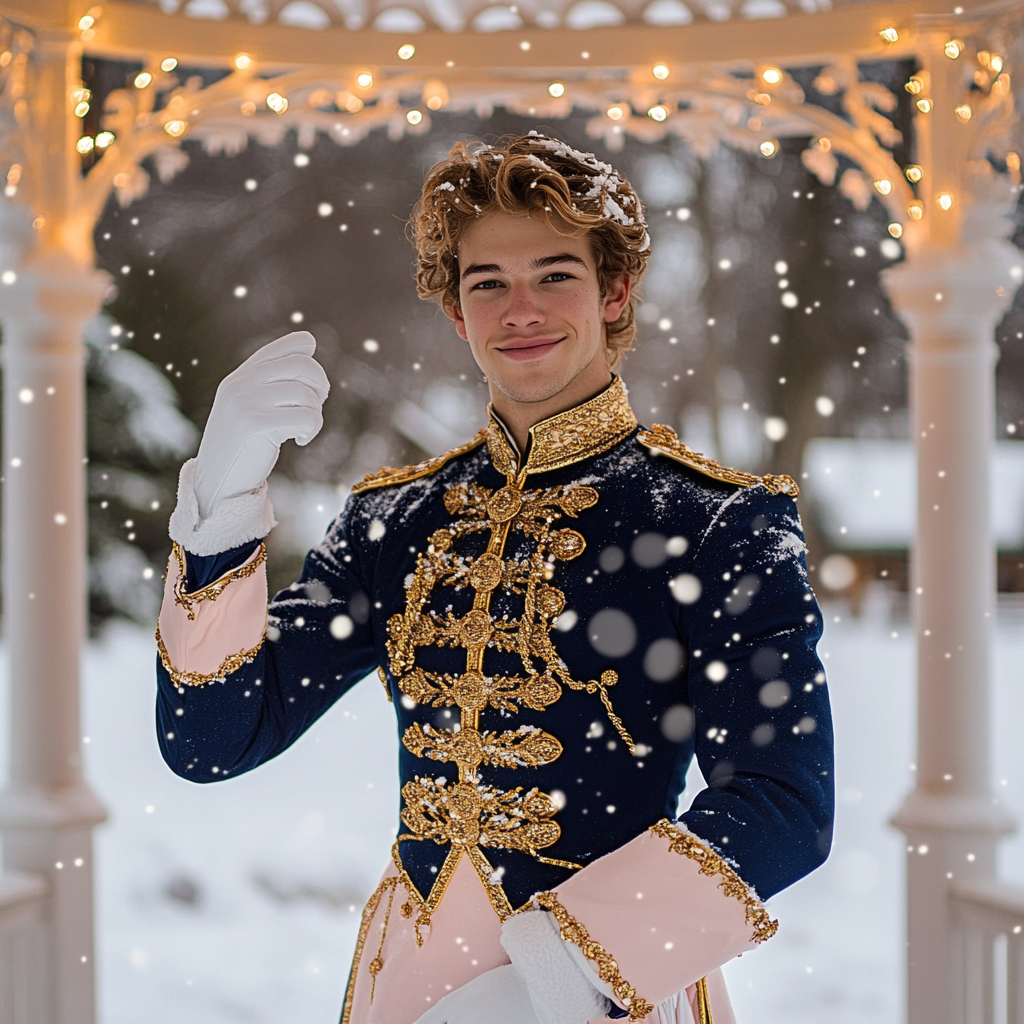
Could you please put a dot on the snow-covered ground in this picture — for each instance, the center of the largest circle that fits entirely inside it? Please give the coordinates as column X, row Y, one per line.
column 239, row 902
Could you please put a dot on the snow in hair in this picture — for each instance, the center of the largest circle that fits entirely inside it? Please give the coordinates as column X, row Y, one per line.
column 579, row 195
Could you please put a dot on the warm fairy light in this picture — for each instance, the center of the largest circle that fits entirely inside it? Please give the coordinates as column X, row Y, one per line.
column 176, row 128
column 963, row 112
column 104, row 139
column 761, row 98
column 916, row 211
column 81, row 109
column 996, row 63
column 556, row 89
column 84, row 144
column 616, row 113
column 277, row 103
column 168, row 64
column 14, row 176
column 771, row 75
column 913, row 173
column 890, row 35
column 86, row 22
column 142, row 79
column 364, row 80
column 660, row 71
column 81, row 95
column 896, row 229
column 953, row 49
column 824, row 144
column 945, row 200
column 658, row 112
column 914, row 85
column 406, row 51
column 435, row 94
column 769, row 147
column 414, row 116
column 242, row 62
column 925, row 106
column 883, row 186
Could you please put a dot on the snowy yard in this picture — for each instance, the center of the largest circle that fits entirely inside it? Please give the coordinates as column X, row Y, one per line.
column 240, row 902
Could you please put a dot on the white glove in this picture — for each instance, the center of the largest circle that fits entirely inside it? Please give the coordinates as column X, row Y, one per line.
column 276, row 394
column 498, row 996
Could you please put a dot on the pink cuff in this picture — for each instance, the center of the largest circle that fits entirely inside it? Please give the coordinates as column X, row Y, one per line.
column 211, row 633
column 657, row 915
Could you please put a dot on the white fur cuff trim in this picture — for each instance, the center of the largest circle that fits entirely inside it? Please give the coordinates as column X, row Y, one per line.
column 235, row 521
column 560, row 991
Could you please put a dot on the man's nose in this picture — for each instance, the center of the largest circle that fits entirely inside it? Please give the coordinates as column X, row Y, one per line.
column 522, row 310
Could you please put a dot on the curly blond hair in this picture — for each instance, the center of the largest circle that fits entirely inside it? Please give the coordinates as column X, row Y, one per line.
column 578, row 194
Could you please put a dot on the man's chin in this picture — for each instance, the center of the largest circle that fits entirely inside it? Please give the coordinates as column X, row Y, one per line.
column 540, row 385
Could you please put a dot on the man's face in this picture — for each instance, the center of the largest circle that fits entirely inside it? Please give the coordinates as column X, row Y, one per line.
column 530, row 306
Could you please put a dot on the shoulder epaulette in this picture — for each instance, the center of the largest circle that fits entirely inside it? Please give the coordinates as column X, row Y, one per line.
column 662, row 440
column 388, row 477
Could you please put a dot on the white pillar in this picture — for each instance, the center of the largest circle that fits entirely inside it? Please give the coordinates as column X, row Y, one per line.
column 951, row 298
column 47, row 812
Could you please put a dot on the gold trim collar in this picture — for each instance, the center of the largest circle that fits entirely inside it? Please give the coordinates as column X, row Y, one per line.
column 571, row 436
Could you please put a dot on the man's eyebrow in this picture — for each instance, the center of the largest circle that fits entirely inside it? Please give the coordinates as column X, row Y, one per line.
column 543, row 261
column 480, row 268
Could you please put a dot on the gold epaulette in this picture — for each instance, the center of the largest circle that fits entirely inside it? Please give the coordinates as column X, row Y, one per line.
column 664, row 441
column 388, row 477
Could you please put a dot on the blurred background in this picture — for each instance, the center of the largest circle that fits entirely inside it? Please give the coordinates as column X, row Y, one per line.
column 765, row 339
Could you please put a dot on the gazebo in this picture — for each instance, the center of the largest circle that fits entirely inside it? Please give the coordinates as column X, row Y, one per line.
column 717, row 72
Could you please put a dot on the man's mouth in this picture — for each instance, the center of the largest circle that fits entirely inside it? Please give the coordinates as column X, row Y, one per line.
column 523, row 349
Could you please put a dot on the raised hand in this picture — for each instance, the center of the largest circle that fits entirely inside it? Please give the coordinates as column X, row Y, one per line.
column 276, row 394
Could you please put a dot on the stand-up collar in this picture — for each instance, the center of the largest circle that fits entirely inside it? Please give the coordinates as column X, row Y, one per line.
column 571, row 436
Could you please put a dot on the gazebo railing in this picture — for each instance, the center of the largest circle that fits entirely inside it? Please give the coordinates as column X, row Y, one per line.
column 988, row 953
column 22, row 956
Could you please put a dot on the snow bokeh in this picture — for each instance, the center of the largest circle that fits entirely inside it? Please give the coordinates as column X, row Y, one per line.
column 240, row 902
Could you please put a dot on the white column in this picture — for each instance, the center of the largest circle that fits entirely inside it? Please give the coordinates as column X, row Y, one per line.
column 47, row 812
column 951, row 299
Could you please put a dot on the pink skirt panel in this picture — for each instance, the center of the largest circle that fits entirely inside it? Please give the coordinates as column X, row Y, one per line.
column 232, row 624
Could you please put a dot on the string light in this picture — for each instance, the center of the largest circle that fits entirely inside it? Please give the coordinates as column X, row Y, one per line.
column 964, row 112
column 406, row 51
column 769, row 147
column 85, row 144
column 916, row 211
column 896, row 229
column 168, row 64
column 660, row 71
column 945, row 200
column 824, row 144
column 658, row 113
column 142, row 79
column 104, row 139
column 925, row 106
column 915, row 85
column 242, row 62
column 277, row 103
column 616, row 113
column 883, row 186
column 435, row 94
column 556, row 89
column 176, row 128
column 82, row 108
column 913, row 173
column 771, row 75
column 996, row 63
column 414, row 116
column 890, row 35
column 364, row 80
column 953, row 49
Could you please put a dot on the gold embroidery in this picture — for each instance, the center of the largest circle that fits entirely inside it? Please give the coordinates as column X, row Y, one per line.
column 712, row 864
column 384, row 682
column 212, row 590
column 703, row 1003
column 364, row 926
column 232, row 663
column 663, row 440
column 526, row 747
column 377, row 963
column 607, row 968
column 388, row 477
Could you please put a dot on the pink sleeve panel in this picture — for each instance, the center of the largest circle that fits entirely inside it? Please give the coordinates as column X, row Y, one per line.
column 202, row 638
column 657, row 915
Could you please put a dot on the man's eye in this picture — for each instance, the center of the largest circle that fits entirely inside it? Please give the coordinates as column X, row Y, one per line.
column 489, row 285
column 558, row 275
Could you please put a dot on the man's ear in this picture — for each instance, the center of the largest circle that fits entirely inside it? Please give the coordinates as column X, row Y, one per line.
column 615, row 298
column 459, row 321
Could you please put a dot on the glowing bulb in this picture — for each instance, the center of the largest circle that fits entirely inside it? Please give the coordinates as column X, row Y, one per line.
column 963, row 112
column 406, row 51
column 414, row 116
column 86, row 22
column 277, row 103
column 883, row 186
column 556, row 89
column 84, row 144
column 916, row 211
column 914, row 173
column 953, row 48
column 914, row 85
column 769, row 147
column 772, row 76
column 142, row 79
column 945, row 200
column 660, row 71
column 890, row 35
column 896, row 229
column 616, row 113
column 435, row 94
column 104, row 139
column 996, row 63
column 81, row 109
column 364, row 80
column 242, row 61
column 824, row 144
column 168, row 63
column 925, row 106
column 658, row 113
column 176, row 128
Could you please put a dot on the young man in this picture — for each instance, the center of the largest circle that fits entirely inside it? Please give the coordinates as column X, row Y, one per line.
column 564, row 611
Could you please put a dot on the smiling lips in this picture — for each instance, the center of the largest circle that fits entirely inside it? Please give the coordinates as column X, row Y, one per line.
column 524, row 349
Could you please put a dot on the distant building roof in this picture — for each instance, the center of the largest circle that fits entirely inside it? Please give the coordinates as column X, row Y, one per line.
column 863, row 492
